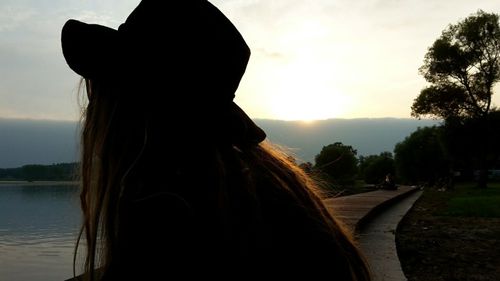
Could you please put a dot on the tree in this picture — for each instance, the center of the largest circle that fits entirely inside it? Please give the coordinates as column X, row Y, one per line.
column 307, row 167
column 462, row 66
column 338, row 161
column 374, row 168
column 420, row 157
column 461, row 142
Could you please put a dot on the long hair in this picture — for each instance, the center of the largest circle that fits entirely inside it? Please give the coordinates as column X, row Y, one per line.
column 287, row 175
column 109, row 151
column 115, row 148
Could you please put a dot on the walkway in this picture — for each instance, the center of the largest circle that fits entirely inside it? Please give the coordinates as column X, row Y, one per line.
column 355, row 210
column 378, row 240
column 374, row 217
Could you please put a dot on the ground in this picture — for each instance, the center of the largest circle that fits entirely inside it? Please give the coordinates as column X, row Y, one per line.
column 452, row 235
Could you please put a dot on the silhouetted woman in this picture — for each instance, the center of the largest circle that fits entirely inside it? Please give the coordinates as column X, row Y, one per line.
column 176, row 180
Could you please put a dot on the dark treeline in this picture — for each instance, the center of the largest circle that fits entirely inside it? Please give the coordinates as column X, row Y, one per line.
column 435, row 156
column 456, row 150
column 338, row 167
column 54, row 172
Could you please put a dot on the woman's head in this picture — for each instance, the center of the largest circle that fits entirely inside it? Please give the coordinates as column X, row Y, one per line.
column 182, row 56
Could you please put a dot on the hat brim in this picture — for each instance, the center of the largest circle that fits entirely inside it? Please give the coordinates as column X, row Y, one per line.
column 96, row 51
column 243, row 129
column 91, row 50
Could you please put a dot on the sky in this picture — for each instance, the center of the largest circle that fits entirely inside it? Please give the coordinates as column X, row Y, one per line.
column 310, row 60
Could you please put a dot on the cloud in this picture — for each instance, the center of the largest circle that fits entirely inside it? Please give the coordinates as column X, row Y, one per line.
column 12, row 16
column 271, row 54
column 35, row 81
column 371, row 49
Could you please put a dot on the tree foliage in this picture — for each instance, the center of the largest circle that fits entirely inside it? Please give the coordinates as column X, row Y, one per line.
column 420, row 157
column 462, row 66
column 306, row 167
column 54, row 172
column 463, row 146
column 338, row 161
column 374, row 168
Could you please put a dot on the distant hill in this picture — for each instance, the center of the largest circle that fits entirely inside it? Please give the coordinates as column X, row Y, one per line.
column 25, row 142
column 368, row 136
column 54, row 172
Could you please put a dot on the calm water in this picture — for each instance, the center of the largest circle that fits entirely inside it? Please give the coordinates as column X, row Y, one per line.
column 38, row 229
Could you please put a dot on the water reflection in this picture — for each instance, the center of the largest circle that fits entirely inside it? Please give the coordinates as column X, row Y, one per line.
column 38, row 229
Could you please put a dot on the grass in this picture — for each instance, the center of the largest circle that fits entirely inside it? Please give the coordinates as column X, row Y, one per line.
column 452, row 235
column 468, row 201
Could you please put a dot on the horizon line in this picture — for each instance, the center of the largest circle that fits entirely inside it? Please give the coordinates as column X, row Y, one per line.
column 309, row 121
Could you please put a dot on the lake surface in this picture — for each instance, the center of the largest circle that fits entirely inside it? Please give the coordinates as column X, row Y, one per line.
column 39, row 225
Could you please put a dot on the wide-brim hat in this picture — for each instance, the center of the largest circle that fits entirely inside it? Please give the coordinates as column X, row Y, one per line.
column 188, row 45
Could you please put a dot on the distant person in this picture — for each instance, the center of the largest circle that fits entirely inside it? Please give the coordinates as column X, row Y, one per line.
column 176, row 180
column 389, row 182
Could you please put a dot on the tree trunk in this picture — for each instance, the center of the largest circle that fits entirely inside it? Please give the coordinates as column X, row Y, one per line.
column 482, row 180
column 484, row 145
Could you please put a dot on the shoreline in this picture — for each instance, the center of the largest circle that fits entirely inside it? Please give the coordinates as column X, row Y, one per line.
column 38, row 183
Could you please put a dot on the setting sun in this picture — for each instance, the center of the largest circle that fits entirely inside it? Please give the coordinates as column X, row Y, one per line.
column 295, row 77
column 303, row 90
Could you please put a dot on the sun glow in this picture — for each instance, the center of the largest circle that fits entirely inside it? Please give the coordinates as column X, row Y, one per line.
column 303, row 91
column 297, row 77
column 304, row 80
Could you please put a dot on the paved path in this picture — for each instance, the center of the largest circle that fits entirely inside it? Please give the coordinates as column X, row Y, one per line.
column 354, row 210
column 378, row 240
column 374, row 217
